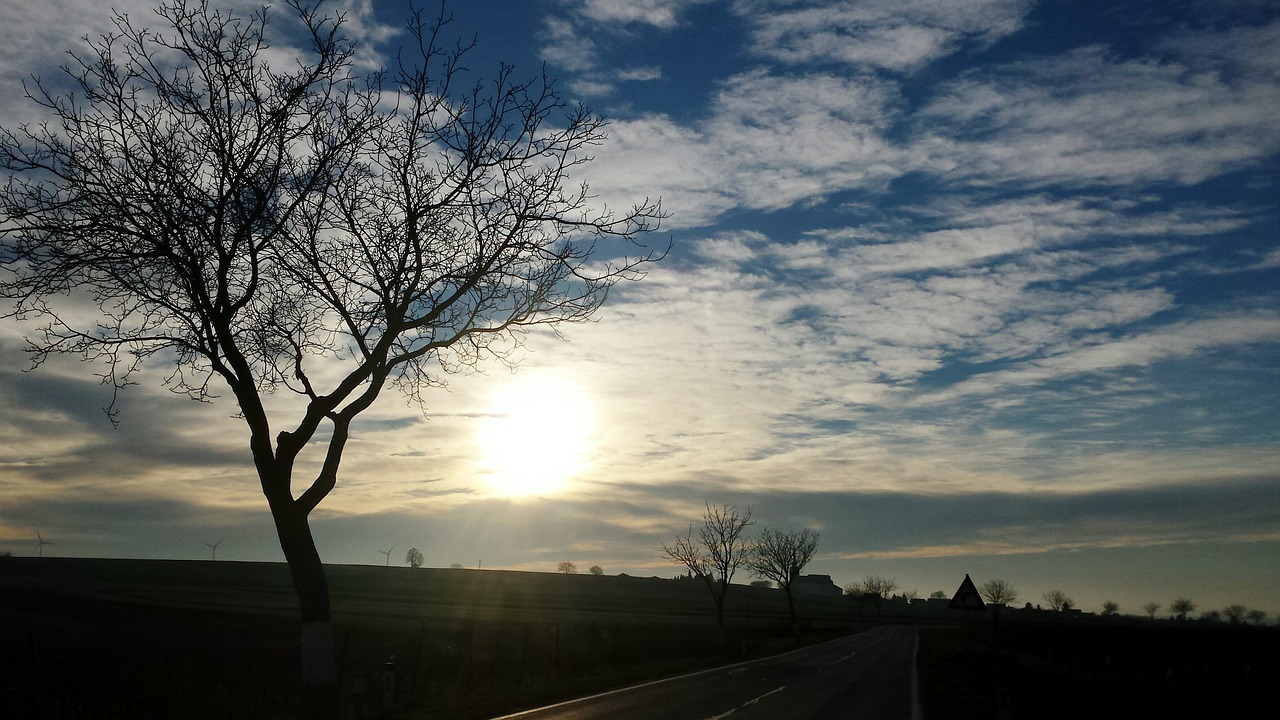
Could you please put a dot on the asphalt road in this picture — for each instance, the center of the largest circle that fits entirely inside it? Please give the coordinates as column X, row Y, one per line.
column 866, row 676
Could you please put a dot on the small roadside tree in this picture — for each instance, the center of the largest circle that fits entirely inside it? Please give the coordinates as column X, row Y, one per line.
column 717, row 553
column 414, row 557
column 298, row 228
column 1182, row 607
column 1151, row 609
column 780, row 557
column 998, row 592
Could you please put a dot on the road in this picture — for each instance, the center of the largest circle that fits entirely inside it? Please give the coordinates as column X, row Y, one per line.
column 869, row 675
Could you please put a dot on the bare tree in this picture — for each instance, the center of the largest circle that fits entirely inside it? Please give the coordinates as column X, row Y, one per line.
column 596, row 570
column 876, row 589
column 1151, row 608
column 567, row 568
column 998, row 592
column 1182, row 607
column 1110, row 609
column 717, row 553
column 938, row 595
column 780, row 557
column 414, row 557
column 299, row 229
column 1235, row 614
column 1058, row 600
column 1257, row 616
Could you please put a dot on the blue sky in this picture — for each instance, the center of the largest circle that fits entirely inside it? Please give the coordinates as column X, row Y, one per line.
column 983, row 287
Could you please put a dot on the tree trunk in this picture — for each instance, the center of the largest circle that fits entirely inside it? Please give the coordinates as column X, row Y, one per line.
column 791, row 606
column 318, row 666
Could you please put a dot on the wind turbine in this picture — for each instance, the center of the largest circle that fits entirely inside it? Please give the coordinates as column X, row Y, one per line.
column 40, row 543
column 387, row 552
column 214, row 548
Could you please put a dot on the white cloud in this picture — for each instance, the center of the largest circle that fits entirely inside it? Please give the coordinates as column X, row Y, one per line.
column 657, row 13
column 1088, row 118
column 898, row 35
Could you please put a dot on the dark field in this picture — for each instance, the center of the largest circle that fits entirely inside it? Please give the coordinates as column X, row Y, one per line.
column 190, row 639
column 1052, row 667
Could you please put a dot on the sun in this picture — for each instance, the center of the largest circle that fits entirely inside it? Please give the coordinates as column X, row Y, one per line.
column 536, row 436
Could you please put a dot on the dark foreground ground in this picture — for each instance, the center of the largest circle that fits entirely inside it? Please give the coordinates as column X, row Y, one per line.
column 1050, row 669
column 159, row 639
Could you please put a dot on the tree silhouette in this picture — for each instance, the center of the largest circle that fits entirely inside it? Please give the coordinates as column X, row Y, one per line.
column 716, row 555
column 1058, row 600
column 876, row 589
column 414, row 557
column 1110, row 609
column 567, row 568
column 1235, row 613
column 998, row 592
column 596, row 570
column 780, row 557
column 1257, row 616
column 1182, row 607
column 299, row 228
column 1151, row 608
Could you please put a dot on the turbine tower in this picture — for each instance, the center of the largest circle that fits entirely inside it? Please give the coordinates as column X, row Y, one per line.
column 214, row 548
column 387, row 552
column 40, row 543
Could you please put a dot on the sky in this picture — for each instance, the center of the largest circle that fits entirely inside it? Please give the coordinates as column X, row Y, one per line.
column 965, row 286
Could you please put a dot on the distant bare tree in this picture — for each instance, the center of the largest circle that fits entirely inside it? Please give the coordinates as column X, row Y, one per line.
column 998, row 592
column 567, row 568
column 910, row 595
column 455, row 566
column 717, row 553
column 780, row 557
column 1182, row 607
column 595, row 570
column 1058, row 600
column 414, row 557
column 1151, row 608
column 1110, row 609
column 1257, row 616
column 1211, row 616
column 877, row 589
column 937, row 595
column 1235, row 614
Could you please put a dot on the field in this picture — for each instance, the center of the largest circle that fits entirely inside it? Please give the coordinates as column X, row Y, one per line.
column 190, row 639
column 1054, row 667
column 143, row 639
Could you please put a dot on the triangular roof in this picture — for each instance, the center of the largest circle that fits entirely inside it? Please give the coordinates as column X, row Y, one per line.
column 967, row 597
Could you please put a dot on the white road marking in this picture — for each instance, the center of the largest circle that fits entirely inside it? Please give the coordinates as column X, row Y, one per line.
column 753, row 701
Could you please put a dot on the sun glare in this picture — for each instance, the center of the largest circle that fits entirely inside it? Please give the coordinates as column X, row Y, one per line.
column 536, row 436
